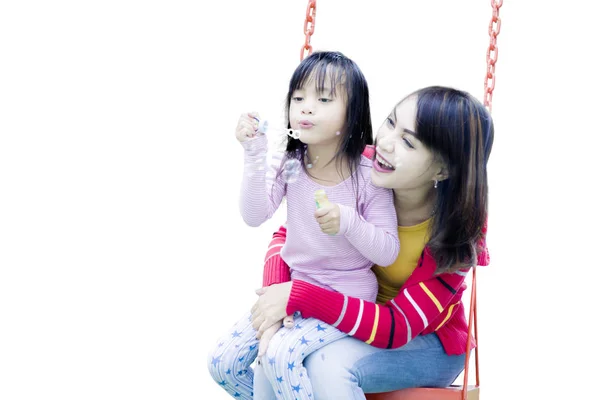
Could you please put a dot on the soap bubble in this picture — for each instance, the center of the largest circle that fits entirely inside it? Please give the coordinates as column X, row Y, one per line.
column 291, row 170
column 293, row 133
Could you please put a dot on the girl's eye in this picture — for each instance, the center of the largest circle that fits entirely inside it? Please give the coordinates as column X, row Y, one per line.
column 297, row 98
column 390, row 122
column 324, row 100
column 408, row 143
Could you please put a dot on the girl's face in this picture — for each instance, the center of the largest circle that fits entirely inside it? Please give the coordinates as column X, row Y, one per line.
column 401, row 160
column 319, row 116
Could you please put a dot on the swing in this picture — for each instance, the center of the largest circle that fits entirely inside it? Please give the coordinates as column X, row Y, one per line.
column 453, row 392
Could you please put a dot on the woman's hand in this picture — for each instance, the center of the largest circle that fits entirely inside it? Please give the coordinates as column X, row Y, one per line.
column 270, row 307
column 266, row 337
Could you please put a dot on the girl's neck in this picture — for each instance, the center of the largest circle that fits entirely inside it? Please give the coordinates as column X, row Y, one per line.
column 322, row 165
column 414, row 206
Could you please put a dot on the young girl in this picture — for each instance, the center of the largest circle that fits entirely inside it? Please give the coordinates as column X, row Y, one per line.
column 333, row 247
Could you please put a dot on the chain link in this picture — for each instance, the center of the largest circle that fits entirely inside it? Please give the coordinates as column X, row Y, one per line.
column 492, row 54
column 309, row 28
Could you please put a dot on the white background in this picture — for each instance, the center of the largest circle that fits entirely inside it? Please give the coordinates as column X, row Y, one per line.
column 122, row 253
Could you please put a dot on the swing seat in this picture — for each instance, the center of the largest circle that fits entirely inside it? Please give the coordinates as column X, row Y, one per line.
column 453, row 392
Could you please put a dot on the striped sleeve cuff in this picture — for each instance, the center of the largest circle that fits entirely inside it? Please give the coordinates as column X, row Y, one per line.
column 313, row 301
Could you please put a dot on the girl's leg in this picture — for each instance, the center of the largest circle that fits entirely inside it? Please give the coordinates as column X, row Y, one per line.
column 229, row 362
column 263, row 390
column 348, row 368
column 283, row 362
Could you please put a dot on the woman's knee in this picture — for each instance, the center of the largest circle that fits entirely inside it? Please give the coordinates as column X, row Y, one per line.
column 324, row 365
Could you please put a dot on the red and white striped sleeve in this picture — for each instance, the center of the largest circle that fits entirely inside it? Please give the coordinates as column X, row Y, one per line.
column 389, row 325
column 275, row 269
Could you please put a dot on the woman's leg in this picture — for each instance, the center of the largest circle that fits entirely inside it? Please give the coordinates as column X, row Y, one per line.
column 348, row 368
column 229, row 362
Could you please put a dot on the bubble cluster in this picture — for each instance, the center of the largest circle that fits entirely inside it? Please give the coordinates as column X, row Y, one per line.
column 291, row 170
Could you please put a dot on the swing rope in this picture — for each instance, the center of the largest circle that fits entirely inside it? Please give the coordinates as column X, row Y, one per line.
column 489, row 85
column 492, row 55
column 309, row 28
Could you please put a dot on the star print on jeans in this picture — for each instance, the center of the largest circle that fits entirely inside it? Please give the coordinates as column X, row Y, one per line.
column 304, row 341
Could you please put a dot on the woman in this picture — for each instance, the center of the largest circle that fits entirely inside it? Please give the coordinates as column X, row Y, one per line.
column 432, row 150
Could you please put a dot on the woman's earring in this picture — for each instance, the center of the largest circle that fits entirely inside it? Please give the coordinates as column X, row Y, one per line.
column 435, row 184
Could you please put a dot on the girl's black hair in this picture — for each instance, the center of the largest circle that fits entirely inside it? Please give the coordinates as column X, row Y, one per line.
column 339, row 71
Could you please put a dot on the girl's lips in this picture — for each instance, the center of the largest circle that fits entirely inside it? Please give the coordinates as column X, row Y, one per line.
column 305, row 124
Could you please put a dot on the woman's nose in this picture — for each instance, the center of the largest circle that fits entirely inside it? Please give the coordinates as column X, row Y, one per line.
column 386, row 146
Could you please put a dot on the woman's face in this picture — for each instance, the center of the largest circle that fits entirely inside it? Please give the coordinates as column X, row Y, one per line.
column 401, row 160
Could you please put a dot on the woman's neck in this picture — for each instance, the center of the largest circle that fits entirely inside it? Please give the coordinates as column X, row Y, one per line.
column 414, row 206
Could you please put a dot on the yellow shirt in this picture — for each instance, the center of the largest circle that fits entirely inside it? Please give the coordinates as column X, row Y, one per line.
column 412, row 242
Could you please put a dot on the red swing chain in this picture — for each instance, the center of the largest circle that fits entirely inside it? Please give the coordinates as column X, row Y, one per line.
column 489, row 85
column 309, row 28
column 492, row 55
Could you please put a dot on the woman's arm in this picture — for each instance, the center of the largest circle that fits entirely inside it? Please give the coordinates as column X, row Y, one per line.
column 421, row 302
column 275, row 269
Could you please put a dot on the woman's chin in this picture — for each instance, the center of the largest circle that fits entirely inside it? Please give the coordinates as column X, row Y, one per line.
column 384, row 180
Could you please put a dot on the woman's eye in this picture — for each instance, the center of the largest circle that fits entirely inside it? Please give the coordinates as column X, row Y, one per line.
column 408, row 143
column 390, row 122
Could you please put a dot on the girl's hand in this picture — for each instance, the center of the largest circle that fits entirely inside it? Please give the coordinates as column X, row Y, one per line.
column 328, row 217
column 246, row 127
